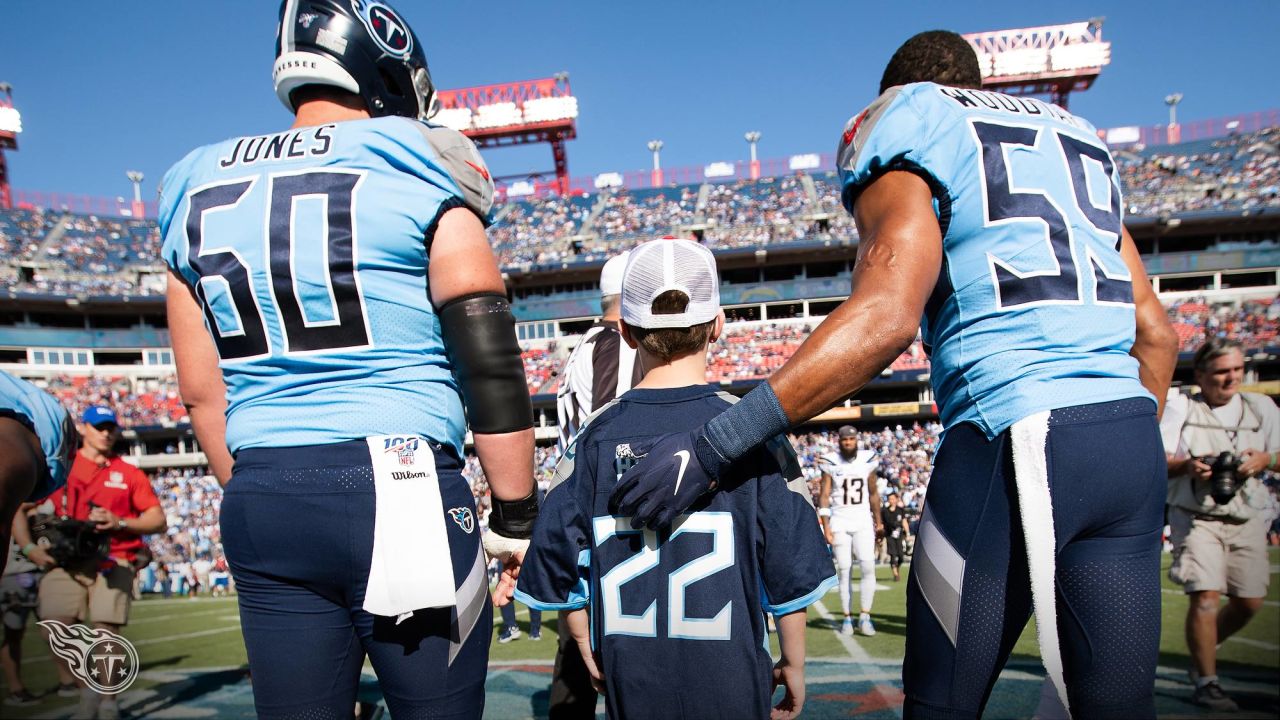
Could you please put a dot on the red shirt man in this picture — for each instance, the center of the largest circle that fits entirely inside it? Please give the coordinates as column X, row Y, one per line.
column 118, row 497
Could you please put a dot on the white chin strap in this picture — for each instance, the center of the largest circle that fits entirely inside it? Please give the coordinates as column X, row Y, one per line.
column 295, row 69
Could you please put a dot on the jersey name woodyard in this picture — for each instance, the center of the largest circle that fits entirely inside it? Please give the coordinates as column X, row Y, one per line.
column 289, row 145
column 1009, row 104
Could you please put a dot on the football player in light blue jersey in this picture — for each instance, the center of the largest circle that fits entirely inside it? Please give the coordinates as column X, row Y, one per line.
column 338, row 321
column 993, row 225
column 37, row 442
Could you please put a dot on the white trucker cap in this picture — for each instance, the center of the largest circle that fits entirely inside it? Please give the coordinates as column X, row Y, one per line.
column 670, row 264
column 611, row 275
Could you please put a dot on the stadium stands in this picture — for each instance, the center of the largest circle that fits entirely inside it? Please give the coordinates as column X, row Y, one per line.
column 70, row 254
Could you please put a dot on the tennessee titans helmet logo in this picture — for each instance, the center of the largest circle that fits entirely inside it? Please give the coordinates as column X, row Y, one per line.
column 464, row 517
column 385, row 27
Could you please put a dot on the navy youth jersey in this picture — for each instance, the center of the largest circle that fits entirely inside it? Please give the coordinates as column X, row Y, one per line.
column 691, row 603
column 1033, row 309
column 308, row 252
column 43, row 415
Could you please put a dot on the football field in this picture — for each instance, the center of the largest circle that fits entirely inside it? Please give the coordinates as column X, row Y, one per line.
column 193, row 664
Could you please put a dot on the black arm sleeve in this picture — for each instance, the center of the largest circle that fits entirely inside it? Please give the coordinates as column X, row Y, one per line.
column 480, row 338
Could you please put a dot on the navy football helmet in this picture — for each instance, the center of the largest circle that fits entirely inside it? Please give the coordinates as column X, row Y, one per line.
column 361, row 46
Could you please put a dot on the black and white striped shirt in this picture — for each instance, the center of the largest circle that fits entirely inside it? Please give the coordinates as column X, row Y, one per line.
column 599, row 369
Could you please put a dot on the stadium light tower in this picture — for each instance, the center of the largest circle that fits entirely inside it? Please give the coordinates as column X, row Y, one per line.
column 655, row 147
column 135, row 177
column 1173, row 133
column 10, row 126
column 752, row 138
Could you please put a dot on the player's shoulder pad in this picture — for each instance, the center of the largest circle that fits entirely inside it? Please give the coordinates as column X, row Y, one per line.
column 859, row 128
column 460, row 158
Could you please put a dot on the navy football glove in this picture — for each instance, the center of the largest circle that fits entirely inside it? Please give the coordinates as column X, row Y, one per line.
column 673, row 472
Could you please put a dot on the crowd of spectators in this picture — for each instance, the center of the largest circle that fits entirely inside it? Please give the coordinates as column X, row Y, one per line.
column 100, row 255
column 1238, row 172
column 140, row 402
column 539, row 230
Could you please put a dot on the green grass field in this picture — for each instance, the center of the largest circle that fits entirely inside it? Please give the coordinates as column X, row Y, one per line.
column 193, row 663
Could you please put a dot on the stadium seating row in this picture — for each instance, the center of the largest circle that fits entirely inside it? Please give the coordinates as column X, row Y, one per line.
column 67, row 254
column 746, row 351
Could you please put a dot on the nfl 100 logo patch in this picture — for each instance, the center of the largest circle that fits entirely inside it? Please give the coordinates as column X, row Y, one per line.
column 403, row 447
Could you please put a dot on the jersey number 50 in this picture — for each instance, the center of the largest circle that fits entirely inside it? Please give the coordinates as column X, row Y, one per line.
column 345, row 327
column 719, row 525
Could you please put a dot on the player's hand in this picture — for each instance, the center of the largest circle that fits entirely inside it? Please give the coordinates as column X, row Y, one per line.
column 791, row 678
column 831, row 539
column 879, row 531
column 667, row 480
column 1252, row 462
column 510, row 552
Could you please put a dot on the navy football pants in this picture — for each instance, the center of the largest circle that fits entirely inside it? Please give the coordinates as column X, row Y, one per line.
column 969, row 594
column 297, row 527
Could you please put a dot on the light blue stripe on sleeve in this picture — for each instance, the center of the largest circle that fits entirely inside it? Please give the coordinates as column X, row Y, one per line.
column 803, row 602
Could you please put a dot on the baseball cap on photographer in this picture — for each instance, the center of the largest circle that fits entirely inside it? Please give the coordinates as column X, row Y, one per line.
column 611, row 275
column 670, row 264
column 99, row 414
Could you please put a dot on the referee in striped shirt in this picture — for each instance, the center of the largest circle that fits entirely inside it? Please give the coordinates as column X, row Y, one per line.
column 599, row 369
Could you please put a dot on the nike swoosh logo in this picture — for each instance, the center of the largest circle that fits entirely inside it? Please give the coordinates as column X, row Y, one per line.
column 684, row 463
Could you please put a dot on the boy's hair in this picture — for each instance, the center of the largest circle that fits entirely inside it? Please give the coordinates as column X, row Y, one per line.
column 669, row 344
column 939, row 56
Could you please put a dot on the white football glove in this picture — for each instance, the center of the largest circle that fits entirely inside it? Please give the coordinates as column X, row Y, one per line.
column 503, row 547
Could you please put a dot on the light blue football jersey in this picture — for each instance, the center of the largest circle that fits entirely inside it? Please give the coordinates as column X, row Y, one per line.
column 308, row 253
column 1033, row 309
column 43, row 415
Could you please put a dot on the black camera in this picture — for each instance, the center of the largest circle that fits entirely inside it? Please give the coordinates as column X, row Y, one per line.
column 69, row 541
column 1223, row 483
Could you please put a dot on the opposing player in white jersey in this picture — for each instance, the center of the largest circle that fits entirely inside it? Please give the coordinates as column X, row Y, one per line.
column 849, row 508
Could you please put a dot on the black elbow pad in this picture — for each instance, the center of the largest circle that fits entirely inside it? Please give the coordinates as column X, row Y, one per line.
column 480, row 338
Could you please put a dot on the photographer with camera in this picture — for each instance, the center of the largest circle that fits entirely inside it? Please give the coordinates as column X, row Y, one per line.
column 1217, row 443
column 106, row 499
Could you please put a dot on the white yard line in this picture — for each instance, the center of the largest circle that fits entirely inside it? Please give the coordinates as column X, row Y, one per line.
column 866, row 664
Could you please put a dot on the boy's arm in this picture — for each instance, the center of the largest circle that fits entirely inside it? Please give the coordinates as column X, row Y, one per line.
column 579, row 626
column 789, row 671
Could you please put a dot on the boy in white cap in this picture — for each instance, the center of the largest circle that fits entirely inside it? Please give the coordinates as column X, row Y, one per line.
column 672, row 606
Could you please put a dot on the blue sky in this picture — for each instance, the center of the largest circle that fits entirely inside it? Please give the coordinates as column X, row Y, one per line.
column 109, row 86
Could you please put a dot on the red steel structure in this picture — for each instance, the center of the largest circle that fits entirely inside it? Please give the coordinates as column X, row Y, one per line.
column 1054, row 60
column 520, row 131
column 9, row 128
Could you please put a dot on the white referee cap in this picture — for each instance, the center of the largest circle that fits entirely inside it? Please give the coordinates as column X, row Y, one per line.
column 670, row 264
column 611, row 274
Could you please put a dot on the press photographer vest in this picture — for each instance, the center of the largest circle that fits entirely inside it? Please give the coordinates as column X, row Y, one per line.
column 1205, row 436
